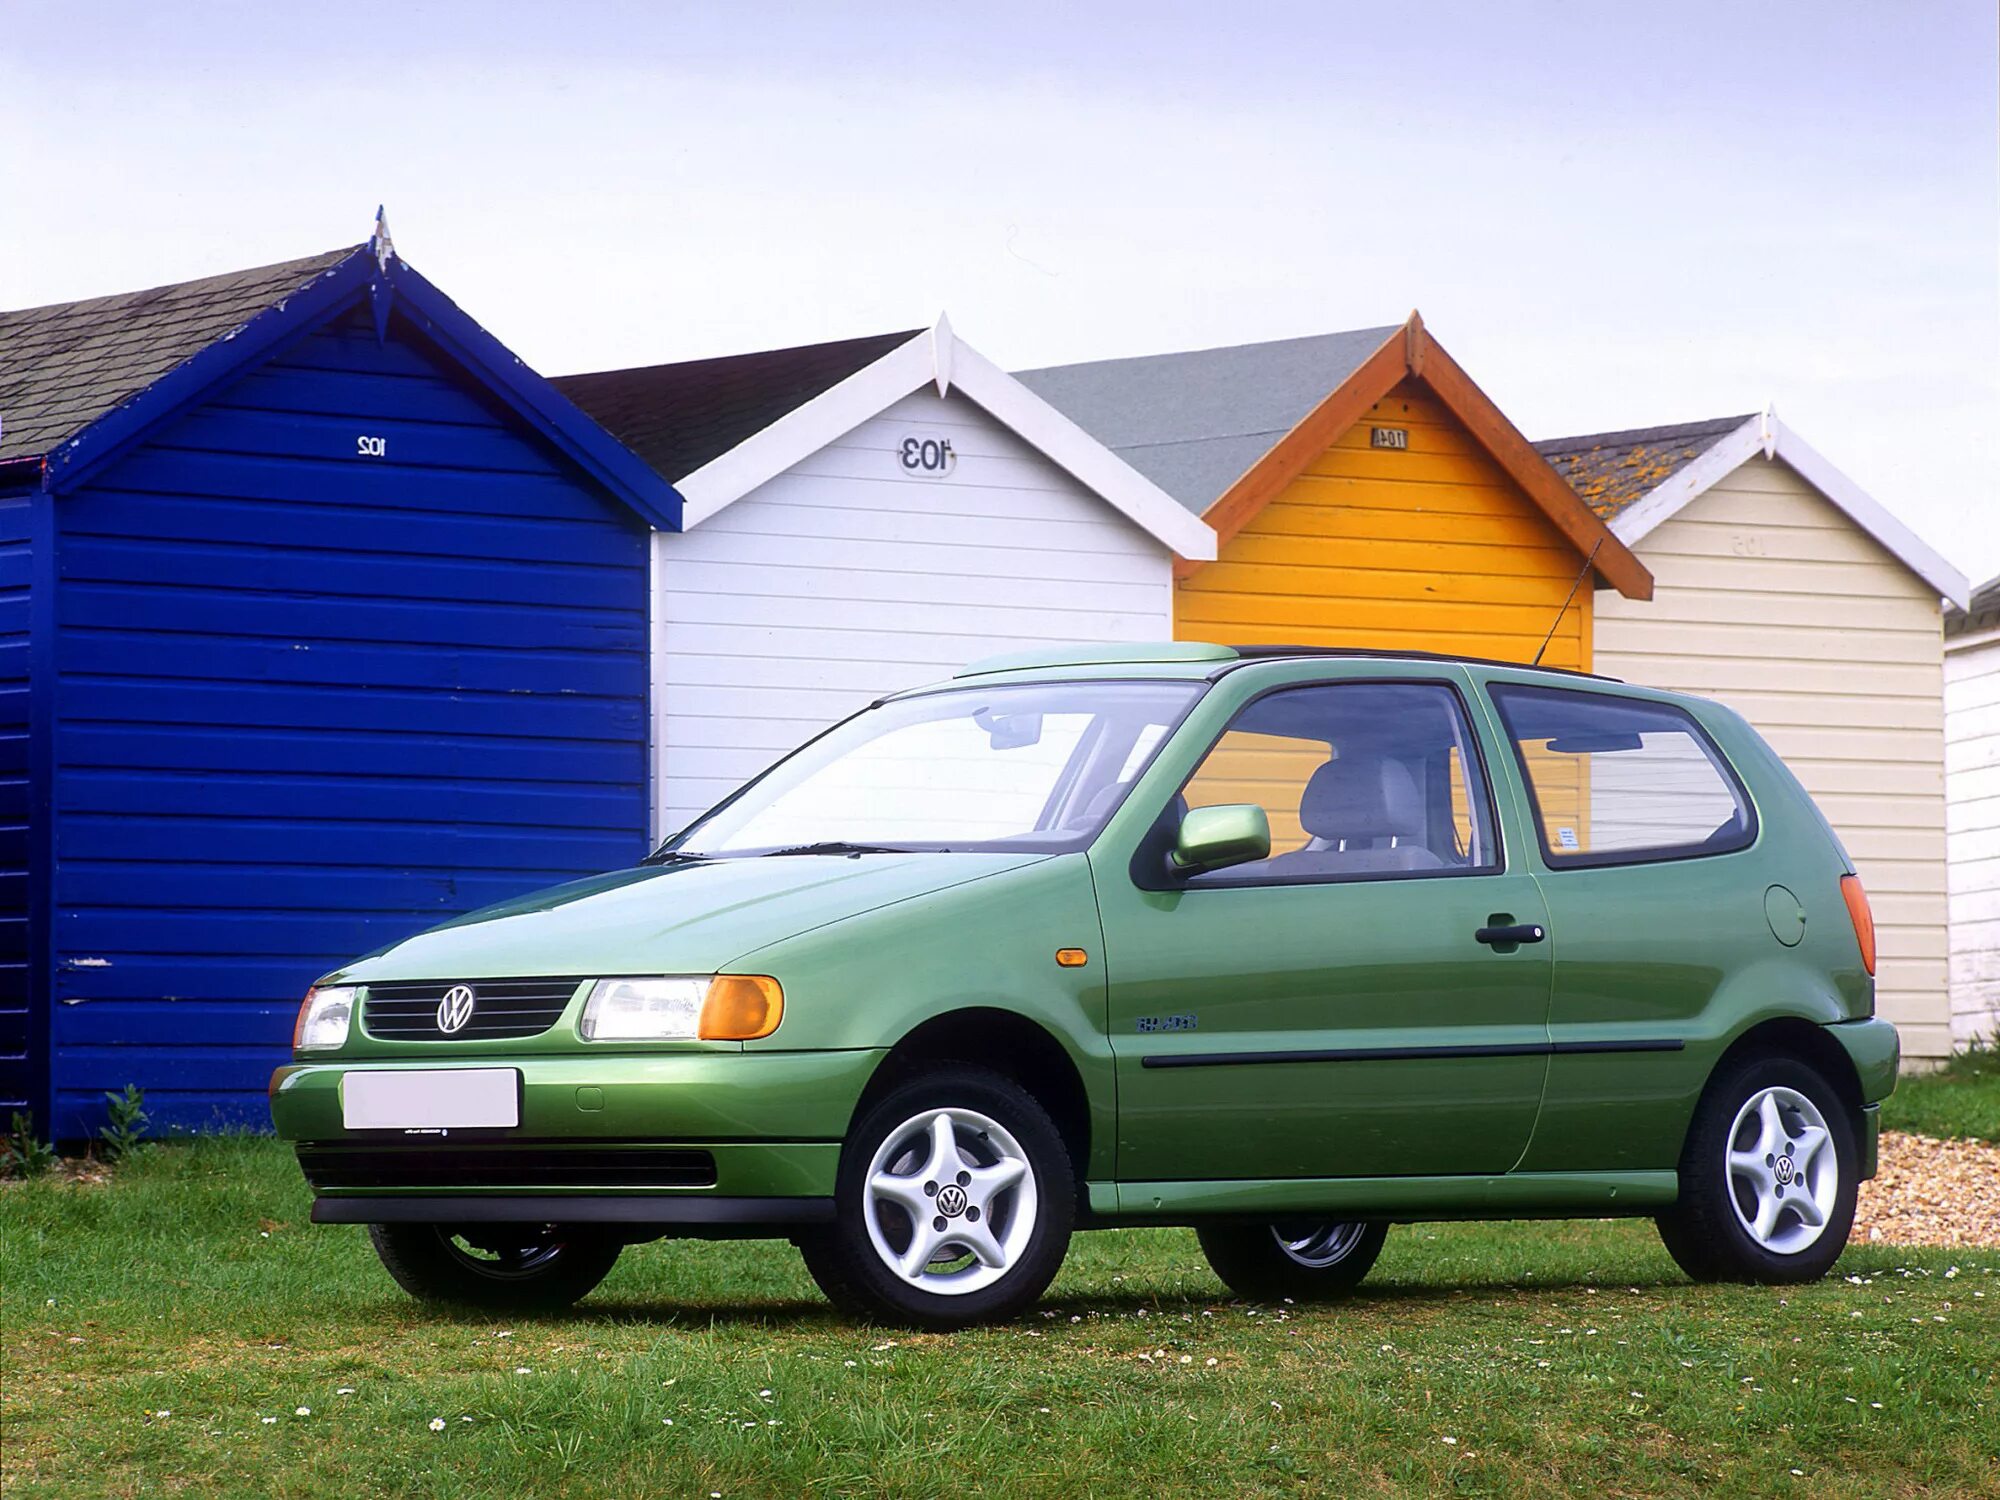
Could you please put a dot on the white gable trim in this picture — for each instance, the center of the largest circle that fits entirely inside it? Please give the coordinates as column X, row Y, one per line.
column 938, row 356
column 1666, row 500
column 1863, row 510
column 1123, row 487
column 803, row 431
column 1768, row 436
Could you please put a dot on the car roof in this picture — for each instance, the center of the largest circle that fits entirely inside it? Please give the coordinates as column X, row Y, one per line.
column 1199, row 660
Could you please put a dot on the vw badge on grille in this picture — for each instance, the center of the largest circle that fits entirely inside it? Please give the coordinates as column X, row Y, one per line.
column 455, row 1009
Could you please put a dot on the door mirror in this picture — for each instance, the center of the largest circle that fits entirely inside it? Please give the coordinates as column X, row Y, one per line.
column 1214, row 838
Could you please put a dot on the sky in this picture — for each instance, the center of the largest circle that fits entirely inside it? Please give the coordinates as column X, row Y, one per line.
column 1613, row 216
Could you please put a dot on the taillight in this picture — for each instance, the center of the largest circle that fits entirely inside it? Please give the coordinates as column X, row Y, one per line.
column 1864, row 919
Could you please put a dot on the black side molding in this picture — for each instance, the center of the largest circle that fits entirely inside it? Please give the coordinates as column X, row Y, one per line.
column 1408, row 1054
column 597, row 1208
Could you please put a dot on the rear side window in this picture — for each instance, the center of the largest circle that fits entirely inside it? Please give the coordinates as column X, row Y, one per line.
column 1621, row 781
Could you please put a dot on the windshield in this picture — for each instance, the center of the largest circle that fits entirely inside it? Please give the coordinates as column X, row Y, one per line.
column 1034, row 767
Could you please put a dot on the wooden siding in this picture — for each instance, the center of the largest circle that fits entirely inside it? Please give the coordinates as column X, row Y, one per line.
column 20, row 1062
column 845, row 577
column 1771, row 600
column 1432, row 548
column 1972, row 833
column 311, row 702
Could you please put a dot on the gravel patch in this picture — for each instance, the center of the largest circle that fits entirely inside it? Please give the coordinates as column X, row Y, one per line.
column 1931, row 1192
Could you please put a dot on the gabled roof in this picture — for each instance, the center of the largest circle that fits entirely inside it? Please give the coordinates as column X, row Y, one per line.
column 1611, row 470
column 65, row 365
column 83, row 382
column 787, row 404
column 1640, row 478
column 1226, row 430
column 1193, row 422
column 678, row 417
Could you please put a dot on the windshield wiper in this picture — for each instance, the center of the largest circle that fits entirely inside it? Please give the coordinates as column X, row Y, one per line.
column 672, row 857
column 834, row 846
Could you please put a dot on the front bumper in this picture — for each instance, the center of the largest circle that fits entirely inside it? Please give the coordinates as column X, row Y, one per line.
column 721, row 1218
column 659, row 1127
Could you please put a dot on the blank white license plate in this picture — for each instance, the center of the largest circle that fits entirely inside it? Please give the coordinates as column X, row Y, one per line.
column 439, row 1099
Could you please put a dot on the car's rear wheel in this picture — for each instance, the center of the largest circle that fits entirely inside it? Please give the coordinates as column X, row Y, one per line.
column 1767, row 1178
column 954, row 1204
column 500, row 1267
column 1308, row 1260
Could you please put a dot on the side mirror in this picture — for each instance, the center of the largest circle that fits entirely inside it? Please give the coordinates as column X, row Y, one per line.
column 1214, row 838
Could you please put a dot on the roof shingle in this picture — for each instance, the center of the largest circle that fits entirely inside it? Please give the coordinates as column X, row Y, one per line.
column 679, row 417
column 1611, row 470
column 1195, row 422
column 65, row 365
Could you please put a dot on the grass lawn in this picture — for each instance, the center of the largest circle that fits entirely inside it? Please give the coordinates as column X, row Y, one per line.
column 161, row 1333
column 1960, row 1099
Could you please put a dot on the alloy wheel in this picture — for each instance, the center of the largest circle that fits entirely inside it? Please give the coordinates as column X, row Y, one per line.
column 1784, row 1173
column 1318, row 1245
column 949, row 1201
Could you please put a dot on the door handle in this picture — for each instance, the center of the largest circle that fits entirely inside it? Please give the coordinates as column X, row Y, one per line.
column 1516, row 932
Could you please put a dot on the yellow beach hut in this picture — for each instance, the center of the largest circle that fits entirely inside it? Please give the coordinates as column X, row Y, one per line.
column 1365, row 492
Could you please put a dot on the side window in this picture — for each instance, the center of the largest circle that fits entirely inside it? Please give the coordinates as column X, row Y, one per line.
column 1620, row 780
column 1360, row 780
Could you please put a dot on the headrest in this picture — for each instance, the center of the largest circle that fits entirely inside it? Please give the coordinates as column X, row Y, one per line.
column 1362, row 796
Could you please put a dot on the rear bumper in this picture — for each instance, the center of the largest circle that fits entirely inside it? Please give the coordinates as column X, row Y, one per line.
column 1875, row 1050
column 1868, row 1144
column 636, row 1132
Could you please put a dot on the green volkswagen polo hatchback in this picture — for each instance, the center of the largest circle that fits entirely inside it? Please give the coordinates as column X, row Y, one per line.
column 1284, row 944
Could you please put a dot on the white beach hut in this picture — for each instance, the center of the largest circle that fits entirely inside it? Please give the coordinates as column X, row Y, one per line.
column 862, row 516
column 1972, row 810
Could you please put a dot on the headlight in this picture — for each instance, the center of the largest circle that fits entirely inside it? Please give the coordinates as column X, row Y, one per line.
column 324, row 1018
column 686, row 1007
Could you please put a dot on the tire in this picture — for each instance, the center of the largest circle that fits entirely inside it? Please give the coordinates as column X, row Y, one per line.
column 495, row 1267
column 979, row 1152
column 1308, row 1260
column 1768, row 1176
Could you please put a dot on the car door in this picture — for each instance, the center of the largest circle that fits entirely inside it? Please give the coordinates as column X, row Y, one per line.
column 1647, row 849
column 1350, row 1006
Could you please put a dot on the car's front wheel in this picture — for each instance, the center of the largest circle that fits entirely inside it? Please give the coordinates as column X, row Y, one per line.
column 1308, row 1260
column 954, row 1204
column 1767, row 1178
column 500, row 1267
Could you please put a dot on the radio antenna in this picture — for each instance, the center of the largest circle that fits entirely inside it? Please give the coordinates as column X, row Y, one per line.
column 1582, row 573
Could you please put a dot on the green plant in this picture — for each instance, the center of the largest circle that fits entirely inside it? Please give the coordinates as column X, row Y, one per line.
column 1959, row 1100
column 22, row 1155
column 127, row 1126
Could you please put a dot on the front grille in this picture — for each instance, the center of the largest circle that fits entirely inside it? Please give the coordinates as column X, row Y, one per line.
column 501, row 1008
column 508, row 1164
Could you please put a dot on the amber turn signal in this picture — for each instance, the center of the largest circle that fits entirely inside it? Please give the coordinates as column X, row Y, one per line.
column 1864, row 918
column 741, row 1008
column 1072, row 958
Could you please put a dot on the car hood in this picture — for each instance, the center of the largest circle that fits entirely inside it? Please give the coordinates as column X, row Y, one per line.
column 680, row 918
